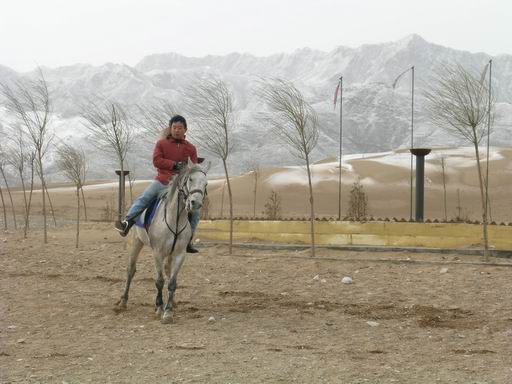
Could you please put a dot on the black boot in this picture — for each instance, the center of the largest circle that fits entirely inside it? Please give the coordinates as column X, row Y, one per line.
column 190, row 247
column 123, row 227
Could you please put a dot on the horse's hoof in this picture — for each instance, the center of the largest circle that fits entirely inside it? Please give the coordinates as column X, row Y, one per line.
column 167, row 318
column 120, row 306
column 159, row 311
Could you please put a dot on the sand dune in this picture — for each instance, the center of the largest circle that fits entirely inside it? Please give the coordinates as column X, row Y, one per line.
column 385, row 177
column 386, row 180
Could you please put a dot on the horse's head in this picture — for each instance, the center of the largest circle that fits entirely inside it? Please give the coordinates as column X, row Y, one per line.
column 194, row 185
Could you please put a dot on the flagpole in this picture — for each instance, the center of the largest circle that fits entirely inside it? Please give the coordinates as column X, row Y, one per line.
column 488, row 141
column 412, row 125
column 412, row 136
column 341, row 147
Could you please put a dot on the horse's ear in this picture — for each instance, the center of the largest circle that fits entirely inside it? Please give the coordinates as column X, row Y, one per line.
column 190, row 163
column 207, row 168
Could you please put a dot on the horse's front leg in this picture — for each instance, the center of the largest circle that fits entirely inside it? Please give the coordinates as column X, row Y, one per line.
column 159, row 283
column 177, row 261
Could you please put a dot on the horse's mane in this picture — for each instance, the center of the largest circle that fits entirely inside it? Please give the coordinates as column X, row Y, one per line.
column 176, row 180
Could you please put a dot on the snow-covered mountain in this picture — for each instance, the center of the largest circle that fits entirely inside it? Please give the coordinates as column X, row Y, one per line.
column 375, row 117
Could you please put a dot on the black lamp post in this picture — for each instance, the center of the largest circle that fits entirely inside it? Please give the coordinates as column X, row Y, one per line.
column 420, row 154
column 120, row 199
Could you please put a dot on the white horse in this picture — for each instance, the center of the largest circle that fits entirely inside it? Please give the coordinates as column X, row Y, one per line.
column 169, row 234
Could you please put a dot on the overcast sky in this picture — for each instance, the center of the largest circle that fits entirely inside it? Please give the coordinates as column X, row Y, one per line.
column 63, row 32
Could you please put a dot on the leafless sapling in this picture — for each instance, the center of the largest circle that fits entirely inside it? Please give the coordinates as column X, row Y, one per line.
column 30, row 104
column 458, row 100
column 72, row 163
column 295, row 122
column 111, row 131
column 210, row 105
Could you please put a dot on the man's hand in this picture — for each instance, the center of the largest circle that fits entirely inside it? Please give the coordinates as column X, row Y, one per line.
column 178, row 165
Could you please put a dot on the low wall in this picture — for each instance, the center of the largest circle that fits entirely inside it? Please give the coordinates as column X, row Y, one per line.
column 430, row 235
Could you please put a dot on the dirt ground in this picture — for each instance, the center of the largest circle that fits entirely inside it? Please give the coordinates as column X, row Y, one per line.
column 257, row 316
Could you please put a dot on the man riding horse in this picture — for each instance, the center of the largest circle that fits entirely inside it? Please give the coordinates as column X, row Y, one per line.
column 171, row 154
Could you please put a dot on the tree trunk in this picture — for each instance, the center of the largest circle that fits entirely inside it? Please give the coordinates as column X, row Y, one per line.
column 10, row 198
column 43, row 188
column 24, row 194
column 27, row 217
column 3, row 207
column 484, row 205
column 51, row 206
column 312, row 206
column 77, row 214
column 489, row 210
column 83, row 199
column 122, row 186
column 230, row 207
column 222, row 200
column 255, row 193
column 444, row 190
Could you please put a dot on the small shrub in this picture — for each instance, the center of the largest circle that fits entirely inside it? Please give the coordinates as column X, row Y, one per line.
column 273, row 206
column 109, row 211
column 358, row 202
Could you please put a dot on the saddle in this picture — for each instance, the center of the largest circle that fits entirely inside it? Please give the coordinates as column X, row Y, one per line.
column 146, row 217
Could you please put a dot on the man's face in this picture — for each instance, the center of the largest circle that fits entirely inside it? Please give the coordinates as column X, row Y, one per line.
column 178, row 130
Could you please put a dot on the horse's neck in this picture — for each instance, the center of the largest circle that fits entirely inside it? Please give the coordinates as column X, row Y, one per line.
column 174, row 203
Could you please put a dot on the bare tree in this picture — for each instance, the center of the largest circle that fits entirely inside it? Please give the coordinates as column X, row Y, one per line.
column 84, row 171
column 295, row 122
column 253, row 166
column 154, row 118
column 458, row 100
column 30, row 104
column 210, row 103
column 111, row 132
column 17, row 157
column 71, row 161
column 3, row 163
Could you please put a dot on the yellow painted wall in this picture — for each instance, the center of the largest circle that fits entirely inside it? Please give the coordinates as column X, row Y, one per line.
column 430, row 235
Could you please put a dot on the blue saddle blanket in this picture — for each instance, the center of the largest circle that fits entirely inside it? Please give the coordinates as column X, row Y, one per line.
column 146, row 217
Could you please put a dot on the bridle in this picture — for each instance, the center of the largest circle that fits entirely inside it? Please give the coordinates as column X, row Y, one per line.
column 183, row 188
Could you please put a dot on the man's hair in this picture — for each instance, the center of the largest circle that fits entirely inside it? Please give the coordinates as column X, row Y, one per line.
column 178, row 119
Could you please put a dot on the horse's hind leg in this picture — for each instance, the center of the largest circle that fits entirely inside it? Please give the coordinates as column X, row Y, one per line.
column 159, row 283
column 131, row 269
column 175, row 267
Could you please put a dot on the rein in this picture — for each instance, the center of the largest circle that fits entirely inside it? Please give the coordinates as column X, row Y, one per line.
column 181, row 195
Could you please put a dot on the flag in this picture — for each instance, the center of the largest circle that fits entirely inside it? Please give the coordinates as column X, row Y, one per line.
column 336, row 94
column 484, row 73
column 398, row 78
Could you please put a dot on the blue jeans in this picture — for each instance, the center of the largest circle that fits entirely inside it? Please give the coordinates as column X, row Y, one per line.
column 143, row 201
column 150, row 194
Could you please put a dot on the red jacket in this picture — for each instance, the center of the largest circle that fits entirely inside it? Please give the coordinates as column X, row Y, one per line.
column 169, row 151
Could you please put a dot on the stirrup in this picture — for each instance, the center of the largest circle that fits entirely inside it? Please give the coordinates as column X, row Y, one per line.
column 122, row 227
